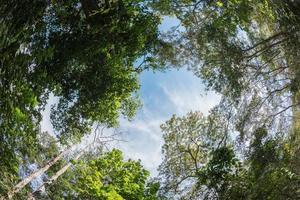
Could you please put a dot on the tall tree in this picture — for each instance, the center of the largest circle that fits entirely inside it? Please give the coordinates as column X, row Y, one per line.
column 83, row 52
column 188, row 143
column 248, row 52
column 107, row 177
column 197, row 166
column 245, row 50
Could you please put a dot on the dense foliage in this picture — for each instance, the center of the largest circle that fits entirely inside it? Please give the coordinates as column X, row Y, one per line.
column 83, row 53
column 248, row 52
column 199, row 164
column 107, row 177
column 243, row 49
column 86, row 55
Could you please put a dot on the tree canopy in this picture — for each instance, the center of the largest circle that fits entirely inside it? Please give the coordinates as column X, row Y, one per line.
column 107, row 177
column 199, row 164
column 82, row 52
column 87, row 56
column 245, row 50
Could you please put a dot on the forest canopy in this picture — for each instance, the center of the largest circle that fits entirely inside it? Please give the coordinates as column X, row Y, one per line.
column 88, row 55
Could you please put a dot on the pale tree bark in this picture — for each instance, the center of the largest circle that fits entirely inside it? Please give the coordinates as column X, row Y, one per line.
column 32, row 176
column 19, row 186
column 62, row 170
column 56, row 175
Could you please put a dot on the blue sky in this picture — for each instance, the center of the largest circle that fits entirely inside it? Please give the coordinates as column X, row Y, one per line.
column 162, row 94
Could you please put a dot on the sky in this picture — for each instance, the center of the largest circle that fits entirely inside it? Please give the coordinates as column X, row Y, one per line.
column 176, row 91
column 162, row 94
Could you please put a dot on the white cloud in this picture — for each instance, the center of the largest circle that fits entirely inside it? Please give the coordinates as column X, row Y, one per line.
column 168, row 95
column 163, row 94
column 143, row 140
column 187, row 98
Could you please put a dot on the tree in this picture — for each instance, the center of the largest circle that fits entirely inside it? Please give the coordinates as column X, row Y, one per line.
column 189, row 140
column 105, row 177
column 82, row 52
column 245, row 50
column 248, row 52
column 198, row 164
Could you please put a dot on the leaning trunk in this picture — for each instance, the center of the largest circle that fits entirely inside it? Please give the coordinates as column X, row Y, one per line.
column 55, row 176
column 32, row 176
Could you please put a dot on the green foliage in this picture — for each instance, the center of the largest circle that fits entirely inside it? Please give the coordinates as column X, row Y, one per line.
column 223, row 33
column 195, row 167
column 245, row 50
column 107, row 177
column 218, row 169
column 189, row 141
column 81, row 51
column 151, row 191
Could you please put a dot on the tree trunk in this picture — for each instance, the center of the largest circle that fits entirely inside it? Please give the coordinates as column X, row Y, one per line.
column 55, row 176
column 32, row 176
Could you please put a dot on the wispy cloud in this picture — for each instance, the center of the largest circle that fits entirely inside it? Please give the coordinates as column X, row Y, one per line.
column 163, row 94
column 176, row 92
column 143, row 139
column 185, row 98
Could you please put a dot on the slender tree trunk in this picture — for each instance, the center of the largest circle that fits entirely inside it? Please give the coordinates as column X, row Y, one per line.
column 56, row 175
column 32, row 176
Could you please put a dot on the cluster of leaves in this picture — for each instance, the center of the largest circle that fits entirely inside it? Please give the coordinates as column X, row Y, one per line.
column 243, row 49
column 107, row 177
column 82, row 52
column 195, row 168
column 248, row 52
